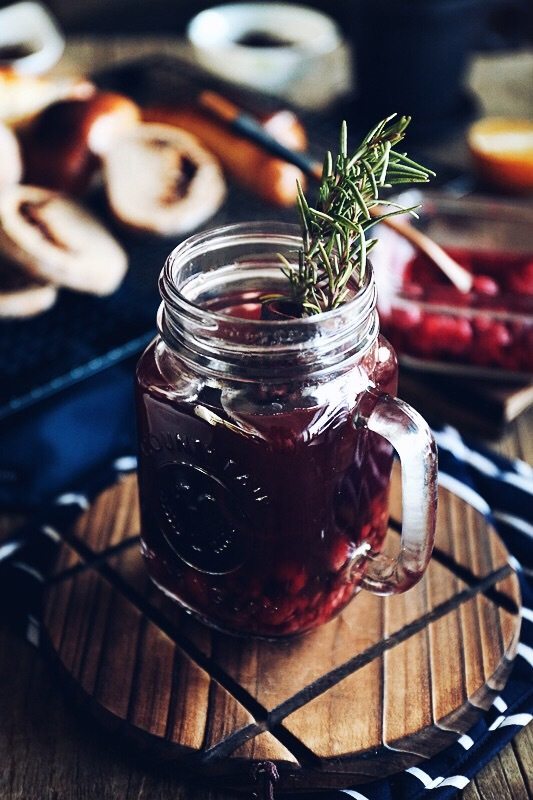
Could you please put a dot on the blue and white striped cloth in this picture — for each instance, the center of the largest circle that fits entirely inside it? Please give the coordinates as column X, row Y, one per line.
column 503, row 491
column 500, row 489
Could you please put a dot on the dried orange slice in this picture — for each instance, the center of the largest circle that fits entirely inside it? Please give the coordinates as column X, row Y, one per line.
column 502, row 150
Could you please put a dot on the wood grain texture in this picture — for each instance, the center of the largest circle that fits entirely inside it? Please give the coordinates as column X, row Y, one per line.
column 521, row 752
column 387, row 683
column 114, row 516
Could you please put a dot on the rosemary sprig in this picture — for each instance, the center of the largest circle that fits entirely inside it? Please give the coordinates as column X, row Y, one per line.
column 335, row 246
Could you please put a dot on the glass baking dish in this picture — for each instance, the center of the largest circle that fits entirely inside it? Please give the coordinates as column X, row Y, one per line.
column 431, row 324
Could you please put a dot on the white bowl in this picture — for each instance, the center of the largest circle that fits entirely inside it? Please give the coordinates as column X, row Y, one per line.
column 304, row 35
column 30, row 24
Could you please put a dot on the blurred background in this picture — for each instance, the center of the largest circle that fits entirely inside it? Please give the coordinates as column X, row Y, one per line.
column 509, row 22
column 412, row 56
column 450, row 64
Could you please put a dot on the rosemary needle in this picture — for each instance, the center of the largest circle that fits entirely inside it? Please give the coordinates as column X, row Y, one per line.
column 334, row 244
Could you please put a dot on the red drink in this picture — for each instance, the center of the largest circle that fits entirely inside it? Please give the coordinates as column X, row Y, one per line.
column 263, row 490
column 265, row 533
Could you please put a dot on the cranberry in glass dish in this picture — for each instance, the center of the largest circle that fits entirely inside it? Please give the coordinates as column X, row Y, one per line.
column 487, row 331
column 266, row 443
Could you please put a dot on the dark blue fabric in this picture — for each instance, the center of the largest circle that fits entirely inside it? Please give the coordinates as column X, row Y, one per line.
column 53, row 444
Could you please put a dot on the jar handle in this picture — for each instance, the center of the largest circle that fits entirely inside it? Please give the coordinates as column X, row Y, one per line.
column 412, row 439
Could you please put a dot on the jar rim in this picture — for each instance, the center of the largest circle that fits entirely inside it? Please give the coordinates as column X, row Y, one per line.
column 217, row 238
column 219, row 343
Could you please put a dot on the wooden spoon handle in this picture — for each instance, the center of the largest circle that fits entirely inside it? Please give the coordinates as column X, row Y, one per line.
column 461, row 278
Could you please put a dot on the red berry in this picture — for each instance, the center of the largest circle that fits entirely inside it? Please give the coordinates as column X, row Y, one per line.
column 336, row 598
column 492, row 341
column 293, row 576
column 276, row 613
column 292, row 626
column 340, row 554
column 298, row 582
column 413, row 291
column 521, row 280
column 421, row 270
column 443, row 334
column 483, row 284
column 316, row 600
column 406, row 318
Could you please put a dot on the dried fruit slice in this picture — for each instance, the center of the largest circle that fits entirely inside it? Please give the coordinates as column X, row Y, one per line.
column 23, row 96
column 62, row 145
column 21, row 295
column 160, row 180
column 10, row 160
column 502, row 150
column 56, row 240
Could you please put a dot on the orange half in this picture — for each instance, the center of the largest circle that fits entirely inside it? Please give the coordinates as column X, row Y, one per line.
column 502, row 150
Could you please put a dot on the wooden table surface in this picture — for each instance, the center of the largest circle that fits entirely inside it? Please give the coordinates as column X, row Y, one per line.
column 49, row 751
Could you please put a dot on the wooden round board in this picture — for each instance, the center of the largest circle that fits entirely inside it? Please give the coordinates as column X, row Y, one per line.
column 382, row 687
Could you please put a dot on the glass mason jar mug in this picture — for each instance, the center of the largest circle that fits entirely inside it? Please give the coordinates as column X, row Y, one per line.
column 266, row 445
